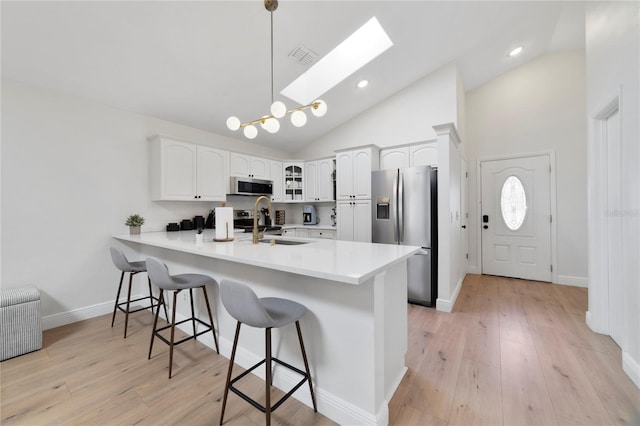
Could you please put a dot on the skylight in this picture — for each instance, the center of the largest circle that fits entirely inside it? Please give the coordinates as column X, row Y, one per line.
column 357, row 50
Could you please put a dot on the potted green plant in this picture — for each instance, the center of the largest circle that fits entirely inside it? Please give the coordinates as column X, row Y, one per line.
column 134, row 222
column 199, row 236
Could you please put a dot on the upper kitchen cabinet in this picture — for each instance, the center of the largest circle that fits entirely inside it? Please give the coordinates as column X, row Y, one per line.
column 293, row 181
column 423, row 154
column 278, row 181
column 244, row 165
column 182, row 171
column 353, row 172
column 318, row 183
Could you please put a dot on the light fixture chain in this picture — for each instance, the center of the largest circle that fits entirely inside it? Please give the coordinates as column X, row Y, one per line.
column 271, row 13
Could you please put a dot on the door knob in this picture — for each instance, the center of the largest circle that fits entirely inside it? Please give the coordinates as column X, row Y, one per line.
column 486, row 226
column 464, row 226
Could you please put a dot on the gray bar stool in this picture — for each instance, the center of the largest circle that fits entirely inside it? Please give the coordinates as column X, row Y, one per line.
column 269, row 312
column 121, row 262
column 160, row 277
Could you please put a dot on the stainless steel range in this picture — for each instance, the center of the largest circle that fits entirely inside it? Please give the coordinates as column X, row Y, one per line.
column 243, row 219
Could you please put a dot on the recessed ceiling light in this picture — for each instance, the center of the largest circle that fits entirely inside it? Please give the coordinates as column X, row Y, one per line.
column 516, row 51
column 365, row 44
column 362, row 83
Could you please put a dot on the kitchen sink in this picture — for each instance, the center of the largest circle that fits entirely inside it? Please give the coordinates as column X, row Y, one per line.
column 283, row 242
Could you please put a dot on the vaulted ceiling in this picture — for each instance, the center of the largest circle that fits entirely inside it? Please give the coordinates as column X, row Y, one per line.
column 196, row 63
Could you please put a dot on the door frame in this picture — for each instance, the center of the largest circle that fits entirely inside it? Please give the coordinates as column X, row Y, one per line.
column 597, row 316
column 553, row 204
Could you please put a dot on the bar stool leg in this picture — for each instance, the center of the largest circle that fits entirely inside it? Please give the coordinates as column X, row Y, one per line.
column 193, row 314
column 115, row 306
column 126, row 314
column 173, row 329
column 155, row 323
column 164, row 305
column 306, row 366
column 267, row 405
column 151, row 295
column 213, row 330
column 228, row 382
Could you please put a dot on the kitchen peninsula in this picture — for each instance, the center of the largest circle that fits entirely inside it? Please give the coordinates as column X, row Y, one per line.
column 356, row 328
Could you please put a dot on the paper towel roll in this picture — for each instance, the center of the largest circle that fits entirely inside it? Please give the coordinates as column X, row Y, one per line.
column 224, row 223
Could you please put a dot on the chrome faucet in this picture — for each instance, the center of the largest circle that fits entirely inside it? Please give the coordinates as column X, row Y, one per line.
column 258, row 235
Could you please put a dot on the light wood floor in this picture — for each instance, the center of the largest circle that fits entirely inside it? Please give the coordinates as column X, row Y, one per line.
column 512, row 352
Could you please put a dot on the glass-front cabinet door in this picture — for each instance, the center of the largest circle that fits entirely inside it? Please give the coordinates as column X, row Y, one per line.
column 293, row 182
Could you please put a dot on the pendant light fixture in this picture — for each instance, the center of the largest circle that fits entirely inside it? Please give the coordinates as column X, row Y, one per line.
column 278, row 109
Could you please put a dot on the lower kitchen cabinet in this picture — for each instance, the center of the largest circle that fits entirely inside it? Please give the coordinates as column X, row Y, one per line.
column 309, row 233
column 322, row 233
column 354, row 220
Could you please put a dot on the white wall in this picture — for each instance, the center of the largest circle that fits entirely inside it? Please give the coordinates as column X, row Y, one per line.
column 72, row 171
column 405, row 117
column 537, row 107
column 612, row 69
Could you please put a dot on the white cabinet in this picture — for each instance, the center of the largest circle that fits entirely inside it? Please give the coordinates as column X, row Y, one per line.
column 329, row 234
column 394, row 158
column 423, row 154
column 291, row 232
column 293, row 181
column 244, row 165
column 309, row 233
column 278, row 182
column 353, row 170
column 302, row 233
column 182, row 171
column 354, row 220
column 318, row 180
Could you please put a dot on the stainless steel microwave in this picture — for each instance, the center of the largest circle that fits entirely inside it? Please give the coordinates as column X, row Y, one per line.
column 250, row 186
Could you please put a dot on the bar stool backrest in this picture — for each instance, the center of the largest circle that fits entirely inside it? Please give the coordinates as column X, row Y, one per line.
column 120, row 260
column 159, row 275
column 242, row 304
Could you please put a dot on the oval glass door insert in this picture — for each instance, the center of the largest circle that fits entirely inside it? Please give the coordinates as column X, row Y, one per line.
column 513, row 203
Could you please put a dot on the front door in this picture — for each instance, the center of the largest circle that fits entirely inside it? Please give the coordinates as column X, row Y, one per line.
column 516, row 218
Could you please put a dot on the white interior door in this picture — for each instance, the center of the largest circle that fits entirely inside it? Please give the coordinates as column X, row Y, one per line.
column 464, row 212
column 613, row 216
column 516, row 218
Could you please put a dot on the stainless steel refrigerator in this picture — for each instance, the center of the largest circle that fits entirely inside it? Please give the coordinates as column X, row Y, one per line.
column 405, row 212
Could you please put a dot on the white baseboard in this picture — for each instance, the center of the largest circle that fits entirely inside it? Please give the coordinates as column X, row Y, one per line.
column 571, row 280
column 446, row 305
column 75, row 315
column 632, row 368
column 80, row 314
column 473, row 269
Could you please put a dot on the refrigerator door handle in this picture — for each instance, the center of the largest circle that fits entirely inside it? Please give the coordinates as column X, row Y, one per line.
column 400, row 204
column 395, row 208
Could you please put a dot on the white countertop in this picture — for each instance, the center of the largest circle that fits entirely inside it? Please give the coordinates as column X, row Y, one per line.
column 344, row 261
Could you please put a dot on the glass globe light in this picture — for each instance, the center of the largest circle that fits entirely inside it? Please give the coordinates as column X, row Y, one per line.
column 233, row 123
column 271, row 125
column 250, row 131
column 320, row 110
column 278, row 109
column 298, row 118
